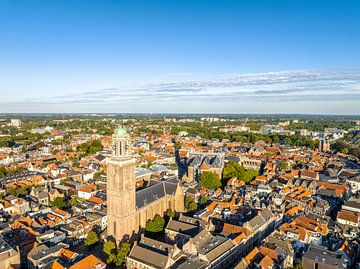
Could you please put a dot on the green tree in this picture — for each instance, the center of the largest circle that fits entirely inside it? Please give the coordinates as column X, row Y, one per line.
column 73, row 201
column 177, row 146
column 116, row 256
column 108, row 248
column 203, row 200
column 91, row 147
column 155, row 225
column 98, row 175
column 75, row 164
column 19, row 192
column 283, row 165
column 59, row 202
column 170, row 213
column 210, row 180
column 248, row 175
column 9, row 172
column 190, row 204
column 275, row 139
column 91, row 238
column 2, row 171
column 62, row 181
column 233, row 169
column 147, row 165
column 122, row 253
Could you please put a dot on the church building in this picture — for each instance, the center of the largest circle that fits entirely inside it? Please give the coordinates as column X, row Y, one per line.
column 128, row 210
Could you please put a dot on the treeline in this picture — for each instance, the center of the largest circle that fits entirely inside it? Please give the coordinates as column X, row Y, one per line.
column 320, row 125
column 9, row 172
column 91, row 147
column 343, row 147
column 246, row 137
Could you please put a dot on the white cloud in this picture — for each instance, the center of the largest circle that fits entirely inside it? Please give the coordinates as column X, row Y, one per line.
column 319, row 86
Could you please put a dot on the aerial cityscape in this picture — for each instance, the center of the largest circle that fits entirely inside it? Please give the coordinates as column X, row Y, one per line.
column 179, row 134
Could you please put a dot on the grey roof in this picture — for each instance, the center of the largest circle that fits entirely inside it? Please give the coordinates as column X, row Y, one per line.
column 149, row 257
column 190, row 262
column 42, row 195
column 158, row 246
column 182, row 227
column 140, row 172
column 232, row 158
column 213, row 160
column 327, row 192
column 190, row 220
column 155, row 192
column 259, row 220
column 216, row 247
column 4, row 246
column 100, row 157
column 43, row 251
column 352, row 204
column 276, row 239
column 158, row 168
column 326, row 257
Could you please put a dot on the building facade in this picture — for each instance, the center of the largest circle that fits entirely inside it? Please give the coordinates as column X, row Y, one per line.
column 128, row 210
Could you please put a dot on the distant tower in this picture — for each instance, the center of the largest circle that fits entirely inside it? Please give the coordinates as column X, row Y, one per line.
column 324, row 144
column 121, row 202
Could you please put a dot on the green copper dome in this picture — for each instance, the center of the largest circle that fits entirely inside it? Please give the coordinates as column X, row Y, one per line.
column 120, row 132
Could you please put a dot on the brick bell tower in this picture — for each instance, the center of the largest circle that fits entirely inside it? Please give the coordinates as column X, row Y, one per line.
column 121, row 203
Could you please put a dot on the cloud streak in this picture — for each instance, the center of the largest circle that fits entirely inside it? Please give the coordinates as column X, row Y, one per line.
column 287, row 86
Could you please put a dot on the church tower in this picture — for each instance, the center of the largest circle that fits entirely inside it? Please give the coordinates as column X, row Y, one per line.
column 121, row 203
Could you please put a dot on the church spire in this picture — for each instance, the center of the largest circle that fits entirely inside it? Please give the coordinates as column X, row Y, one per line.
column 121, row 143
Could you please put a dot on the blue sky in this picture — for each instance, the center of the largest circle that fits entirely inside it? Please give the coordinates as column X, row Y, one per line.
column 180, row 56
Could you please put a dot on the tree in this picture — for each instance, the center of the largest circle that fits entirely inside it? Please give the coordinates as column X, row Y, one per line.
column 2, row 171
column 210, row 180
column 170, row 213
column 283, row 165
column 5, row 172
column 91, row 239
column 122, row 253
column 248, row 175
column 19, row 192
column 156, row 225
column 275, row 139
column 203, row 200
column 109, row 247
column 62, row 181
column 75, row 164
column 147, row 165
column 177, row 146
column 233, row 169
column 98, row 175
column 91, row 147
column 190, row 204
column 73, row 201
column 116, row 256
column 59, row 202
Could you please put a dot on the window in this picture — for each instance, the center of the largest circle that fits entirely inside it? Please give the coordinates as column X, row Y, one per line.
column 115, row 227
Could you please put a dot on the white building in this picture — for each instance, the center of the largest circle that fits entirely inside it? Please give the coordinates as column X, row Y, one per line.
column 15, row 122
